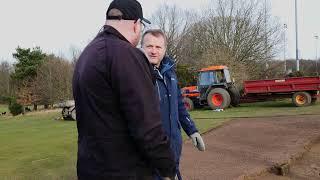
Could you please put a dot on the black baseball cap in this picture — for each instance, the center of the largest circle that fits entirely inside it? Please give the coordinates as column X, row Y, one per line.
column 130, row 9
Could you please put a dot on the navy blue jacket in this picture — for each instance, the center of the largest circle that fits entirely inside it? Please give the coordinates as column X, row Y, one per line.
column 173, row 113
column 120, row 133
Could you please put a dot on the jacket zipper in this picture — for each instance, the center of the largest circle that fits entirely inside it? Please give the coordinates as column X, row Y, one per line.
column 158, row 90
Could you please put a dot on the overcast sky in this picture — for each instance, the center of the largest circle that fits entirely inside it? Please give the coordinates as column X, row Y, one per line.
column 57, row 25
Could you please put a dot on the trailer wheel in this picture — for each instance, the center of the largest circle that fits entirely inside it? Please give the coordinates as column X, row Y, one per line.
column 301, row 99
column 188, row 104
column 218, row 98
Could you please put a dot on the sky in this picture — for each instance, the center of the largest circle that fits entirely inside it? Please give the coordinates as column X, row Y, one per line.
column 57, row 26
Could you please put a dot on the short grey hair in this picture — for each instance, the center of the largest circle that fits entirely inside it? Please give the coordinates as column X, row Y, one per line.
column 156, row 33
column 114, row 12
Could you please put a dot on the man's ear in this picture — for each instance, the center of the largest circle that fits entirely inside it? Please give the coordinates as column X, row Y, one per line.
column 136, row 27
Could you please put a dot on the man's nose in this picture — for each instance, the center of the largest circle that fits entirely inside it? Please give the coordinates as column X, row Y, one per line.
column 153, row 51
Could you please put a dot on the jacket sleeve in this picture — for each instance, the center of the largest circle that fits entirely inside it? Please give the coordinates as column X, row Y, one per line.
column 132, row 79
column 184, row 117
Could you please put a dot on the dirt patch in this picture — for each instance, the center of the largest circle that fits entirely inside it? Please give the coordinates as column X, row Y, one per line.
column 307, row 168
column 249, row 148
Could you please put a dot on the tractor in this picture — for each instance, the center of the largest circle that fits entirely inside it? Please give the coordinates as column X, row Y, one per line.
column 68, row 110
column 214, row 88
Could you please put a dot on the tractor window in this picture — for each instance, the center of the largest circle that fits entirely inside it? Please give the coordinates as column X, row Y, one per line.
column 206, row 78
column 227, row 75
column 220, row 77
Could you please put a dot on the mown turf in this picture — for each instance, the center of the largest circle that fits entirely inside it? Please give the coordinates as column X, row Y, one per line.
column 37, row 147
column 3, row 108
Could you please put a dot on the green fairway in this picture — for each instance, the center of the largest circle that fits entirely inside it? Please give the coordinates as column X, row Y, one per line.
column 260, row 109
column 38, row 147
column 3, row 108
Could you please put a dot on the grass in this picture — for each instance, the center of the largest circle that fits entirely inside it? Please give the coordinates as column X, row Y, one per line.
column 36, row 146
column 4, row 108
column 271, row 108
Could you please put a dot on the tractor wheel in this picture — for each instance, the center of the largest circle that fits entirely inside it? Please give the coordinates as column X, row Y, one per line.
column 218, row 98
column 73, row 113
column 301, row 99
column 235, row 96
column 65, row 113
column 188, row 104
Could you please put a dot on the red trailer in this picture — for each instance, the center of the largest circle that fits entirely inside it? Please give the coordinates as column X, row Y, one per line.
column 302, row 90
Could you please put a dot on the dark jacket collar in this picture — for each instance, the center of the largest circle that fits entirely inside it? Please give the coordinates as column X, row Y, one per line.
column 111, row 30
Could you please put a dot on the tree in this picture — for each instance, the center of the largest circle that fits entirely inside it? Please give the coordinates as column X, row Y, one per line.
column 175, row 23
column 187, row 75
column 28, row 62
column 238, row 33
column 25, row 71
column 75, row 53
column 5, row 70
column 236, row 30
column 54, row 80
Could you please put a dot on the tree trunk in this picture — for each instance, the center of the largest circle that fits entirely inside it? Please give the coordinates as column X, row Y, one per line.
column 35, row 107
column 23, row 109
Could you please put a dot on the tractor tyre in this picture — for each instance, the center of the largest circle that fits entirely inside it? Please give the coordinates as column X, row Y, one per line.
column 188, row 103
column 218, row 98
column 300, row 99
column 314, row 100
column 65, row 113
column 235, row 96
column 73, row 113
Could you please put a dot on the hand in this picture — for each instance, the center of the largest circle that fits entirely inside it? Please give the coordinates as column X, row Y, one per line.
column 198, row 141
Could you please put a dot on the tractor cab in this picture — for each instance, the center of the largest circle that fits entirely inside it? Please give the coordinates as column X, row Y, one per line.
column 214, row 75
column 210, row 77
column 214, row 88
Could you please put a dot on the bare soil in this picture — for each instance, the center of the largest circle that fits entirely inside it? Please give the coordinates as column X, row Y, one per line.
column 251, row 148
column 306, row 168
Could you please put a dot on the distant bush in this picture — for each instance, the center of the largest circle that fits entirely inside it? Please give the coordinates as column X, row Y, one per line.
column 15, row 108
column 5, row 99
column 296, row 74
column 186, row 75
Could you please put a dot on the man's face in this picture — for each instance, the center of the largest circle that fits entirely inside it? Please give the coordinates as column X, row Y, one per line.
column 154, row 48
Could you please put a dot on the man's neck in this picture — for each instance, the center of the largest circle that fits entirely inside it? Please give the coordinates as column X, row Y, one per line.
column 121, row 30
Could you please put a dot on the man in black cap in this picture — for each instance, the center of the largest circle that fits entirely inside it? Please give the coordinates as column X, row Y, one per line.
column 120, row 134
